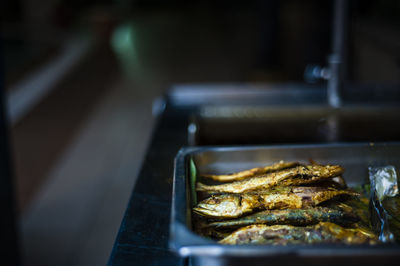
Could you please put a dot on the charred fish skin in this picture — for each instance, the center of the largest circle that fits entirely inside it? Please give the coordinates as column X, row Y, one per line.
column 252, row 172
column 302, row 217
column 236, row 205
column 323, row 232
column 292, row 176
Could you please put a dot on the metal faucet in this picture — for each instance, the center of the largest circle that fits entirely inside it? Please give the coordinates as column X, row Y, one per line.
column 336, row 72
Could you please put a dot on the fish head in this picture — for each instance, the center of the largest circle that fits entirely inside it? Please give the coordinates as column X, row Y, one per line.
column 224, row 206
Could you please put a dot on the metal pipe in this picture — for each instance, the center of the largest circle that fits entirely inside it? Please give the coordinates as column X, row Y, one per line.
column 337, row 60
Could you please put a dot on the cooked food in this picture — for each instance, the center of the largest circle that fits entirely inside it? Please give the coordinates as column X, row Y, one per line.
column 227, row 205
column 299, row 175
column 252, row 172
column 286, row 203
column 323, row 232
column 307, row 216
column 235, row 205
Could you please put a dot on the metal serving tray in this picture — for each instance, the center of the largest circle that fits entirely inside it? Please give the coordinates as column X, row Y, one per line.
column 356, row 158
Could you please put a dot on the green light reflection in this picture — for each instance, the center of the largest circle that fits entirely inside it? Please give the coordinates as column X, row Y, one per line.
column 123, row 44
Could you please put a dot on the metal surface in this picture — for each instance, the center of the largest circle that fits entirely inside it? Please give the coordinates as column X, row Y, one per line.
column 237, row 125
column 356, row 158
column 274, row 94
column 282, row 94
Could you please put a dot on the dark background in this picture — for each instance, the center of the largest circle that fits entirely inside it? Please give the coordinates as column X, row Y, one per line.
column 68, row 150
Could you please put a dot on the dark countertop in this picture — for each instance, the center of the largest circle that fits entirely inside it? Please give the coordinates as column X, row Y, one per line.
column 143, row 235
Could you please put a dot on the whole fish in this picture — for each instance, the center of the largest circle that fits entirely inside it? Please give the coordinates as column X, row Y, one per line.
column 252, row 172
column 293, row 176
column 323, row 232
column 235, row 205
column 306, row 216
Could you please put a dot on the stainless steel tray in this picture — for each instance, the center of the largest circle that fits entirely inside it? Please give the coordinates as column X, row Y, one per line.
column 356, row 158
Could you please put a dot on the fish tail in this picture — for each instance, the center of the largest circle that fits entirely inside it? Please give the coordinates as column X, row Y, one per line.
column 202, row 187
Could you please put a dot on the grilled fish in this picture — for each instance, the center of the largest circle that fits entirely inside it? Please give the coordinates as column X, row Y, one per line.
column 252, row 172
column 293, row 176
column 306, row 216
column 235, row 205
column 323, row 232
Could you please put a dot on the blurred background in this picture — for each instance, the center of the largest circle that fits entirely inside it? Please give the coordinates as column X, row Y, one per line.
column 78, row 80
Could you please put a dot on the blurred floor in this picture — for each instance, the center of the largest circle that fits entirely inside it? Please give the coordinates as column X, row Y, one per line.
column 76, row 215
column 41, row 137
column 78, row 153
